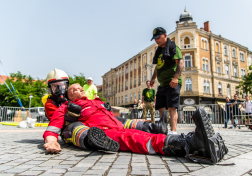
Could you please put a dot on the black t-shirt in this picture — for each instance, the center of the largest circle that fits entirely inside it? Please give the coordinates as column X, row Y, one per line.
column 235, row 109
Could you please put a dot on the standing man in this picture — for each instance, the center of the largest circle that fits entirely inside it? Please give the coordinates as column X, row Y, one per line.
column 149, row 99
column 248, row 108
column 168, row 71
column 228, row 113
column 90, row 89
column 236, row 110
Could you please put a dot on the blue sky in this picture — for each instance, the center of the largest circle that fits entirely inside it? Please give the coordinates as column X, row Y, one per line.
column 91, row 37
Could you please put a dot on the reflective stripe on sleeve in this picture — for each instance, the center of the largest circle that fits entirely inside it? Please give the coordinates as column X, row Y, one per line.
column 53, row 129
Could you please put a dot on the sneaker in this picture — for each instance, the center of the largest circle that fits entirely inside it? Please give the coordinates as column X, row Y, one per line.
column 172, row 132
column 101, row 141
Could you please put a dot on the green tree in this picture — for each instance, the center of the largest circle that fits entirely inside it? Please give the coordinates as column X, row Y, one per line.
column 246, row 83
column 24, row 86
column 78, row 79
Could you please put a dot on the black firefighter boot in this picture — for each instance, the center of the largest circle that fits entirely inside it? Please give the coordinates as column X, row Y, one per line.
column 97, row 139
column 159, row 126
column 198, row 142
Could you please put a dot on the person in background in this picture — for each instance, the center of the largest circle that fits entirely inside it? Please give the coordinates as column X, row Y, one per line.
column 90, row 89
column 228, row 113
column 247, row 104
column 135, row 105
column 236, row 110
column 140, row 105
column 149, row 99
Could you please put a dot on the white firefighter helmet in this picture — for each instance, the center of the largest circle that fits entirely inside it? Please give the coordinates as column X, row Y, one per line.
column 56, row 75
column 57, row 81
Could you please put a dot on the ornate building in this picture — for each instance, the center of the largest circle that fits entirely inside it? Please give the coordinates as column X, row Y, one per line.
column 213, row 67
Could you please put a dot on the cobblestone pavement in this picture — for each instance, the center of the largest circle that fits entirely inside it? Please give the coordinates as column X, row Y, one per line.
column 22, row 153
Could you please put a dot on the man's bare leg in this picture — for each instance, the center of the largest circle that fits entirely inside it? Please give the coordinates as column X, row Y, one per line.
column 174, row 118
column 161, row 112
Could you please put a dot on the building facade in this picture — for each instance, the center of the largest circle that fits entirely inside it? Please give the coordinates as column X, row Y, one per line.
column 213, row 66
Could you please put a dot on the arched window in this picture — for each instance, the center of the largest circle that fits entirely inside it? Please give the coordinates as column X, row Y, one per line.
column 207, row 66
column 188, row 85
column 206, row 85
column 186, row 40
column 188, row 61
column 203, row 64
column 226, row 50
column 226, row 69
column 235, row 72
column 242, row 57
column 228, row 90
column 144, row 76
column 243, row 72
column 217, row 47
column 204, row 43
column 151, row 57
column 220, row 88
column 218, row 67
column 234, row 52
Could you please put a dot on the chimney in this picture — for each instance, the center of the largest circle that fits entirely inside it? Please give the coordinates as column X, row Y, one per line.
column 206, row 26
column 202, row 28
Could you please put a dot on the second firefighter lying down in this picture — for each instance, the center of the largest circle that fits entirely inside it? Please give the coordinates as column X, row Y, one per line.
column 97, row 128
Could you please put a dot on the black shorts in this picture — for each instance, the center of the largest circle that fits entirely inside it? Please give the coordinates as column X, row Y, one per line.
column 167, row 97
column 237, row 113
column 247, row 115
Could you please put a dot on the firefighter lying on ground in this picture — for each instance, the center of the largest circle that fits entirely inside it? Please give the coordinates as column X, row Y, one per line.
column 58, row 82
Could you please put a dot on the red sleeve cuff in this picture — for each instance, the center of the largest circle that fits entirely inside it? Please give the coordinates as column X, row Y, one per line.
column 49, row 133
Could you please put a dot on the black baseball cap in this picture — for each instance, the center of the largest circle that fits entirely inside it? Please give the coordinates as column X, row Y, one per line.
column 157, row 32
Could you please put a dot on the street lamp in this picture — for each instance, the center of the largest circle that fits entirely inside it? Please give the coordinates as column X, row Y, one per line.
column 30, row 97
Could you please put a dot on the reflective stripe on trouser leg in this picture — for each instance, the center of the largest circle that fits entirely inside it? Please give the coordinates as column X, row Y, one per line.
column 150, row 148
column 78, row 135
column 133, row 124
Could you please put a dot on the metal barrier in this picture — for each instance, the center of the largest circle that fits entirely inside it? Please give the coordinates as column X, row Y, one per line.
column 8, row 113
column 217, row 113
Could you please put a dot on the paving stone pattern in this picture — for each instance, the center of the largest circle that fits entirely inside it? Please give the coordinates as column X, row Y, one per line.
column 22, row 153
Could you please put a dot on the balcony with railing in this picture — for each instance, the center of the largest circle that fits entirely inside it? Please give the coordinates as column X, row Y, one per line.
column 187, row 46
column 190, row 69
